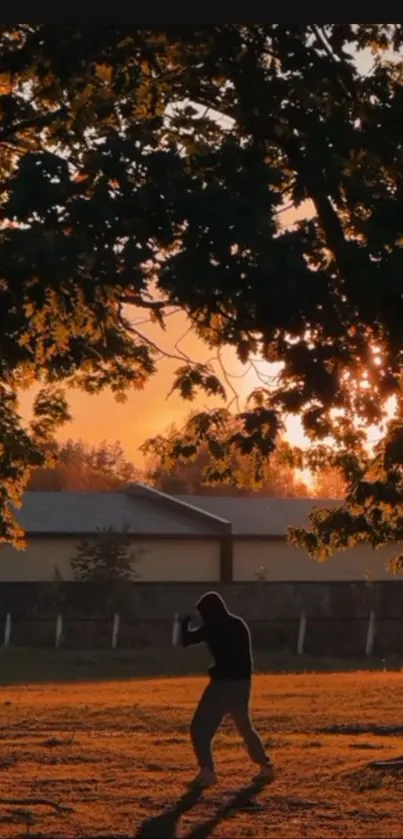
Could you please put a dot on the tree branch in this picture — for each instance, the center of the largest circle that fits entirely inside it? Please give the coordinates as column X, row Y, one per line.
column 137, row 300
column 163, row 353
column 34, row 122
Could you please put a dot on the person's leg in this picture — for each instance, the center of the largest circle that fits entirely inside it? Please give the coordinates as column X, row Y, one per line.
column 241, row 716
column 208, row 715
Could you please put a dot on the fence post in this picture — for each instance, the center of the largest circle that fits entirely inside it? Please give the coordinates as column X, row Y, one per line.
column 175, row 630
column 369, row 646
column 59, row 631
column 115, row 630
column 301, row 634
column 7, row 630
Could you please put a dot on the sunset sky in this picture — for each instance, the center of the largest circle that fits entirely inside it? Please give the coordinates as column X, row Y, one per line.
column 151, row 411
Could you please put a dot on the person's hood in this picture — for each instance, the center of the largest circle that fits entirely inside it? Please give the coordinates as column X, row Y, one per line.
column 211, row 607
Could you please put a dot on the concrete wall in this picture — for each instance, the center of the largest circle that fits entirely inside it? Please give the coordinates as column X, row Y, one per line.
column 285, row 563
column 161, row 560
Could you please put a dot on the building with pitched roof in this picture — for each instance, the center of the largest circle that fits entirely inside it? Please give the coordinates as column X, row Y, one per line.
column 182, row 538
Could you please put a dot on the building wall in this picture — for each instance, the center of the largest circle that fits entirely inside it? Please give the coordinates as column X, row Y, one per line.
column 198, row 560
column 193, row 560
column 284, row 562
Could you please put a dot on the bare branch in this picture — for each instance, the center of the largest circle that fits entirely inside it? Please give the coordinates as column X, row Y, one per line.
column 137, row 300
column 226, row 377
column 38, row 122
column 179, row 341
column 174, row 311
column 140, row 335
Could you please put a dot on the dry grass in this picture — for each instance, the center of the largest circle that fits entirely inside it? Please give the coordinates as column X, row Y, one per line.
column 116, row 755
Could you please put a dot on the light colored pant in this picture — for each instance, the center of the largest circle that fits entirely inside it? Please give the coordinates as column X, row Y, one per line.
column 220, row 698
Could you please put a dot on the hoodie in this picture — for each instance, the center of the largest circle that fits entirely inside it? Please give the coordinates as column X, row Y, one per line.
column 227, row 637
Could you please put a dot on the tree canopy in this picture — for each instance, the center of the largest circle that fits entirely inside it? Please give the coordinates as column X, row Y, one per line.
column 329, row 483
column 150, row 168
column 79, row 467
column 232, row 474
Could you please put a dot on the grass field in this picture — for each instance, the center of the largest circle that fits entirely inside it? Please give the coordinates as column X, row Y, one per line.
column 112, row 758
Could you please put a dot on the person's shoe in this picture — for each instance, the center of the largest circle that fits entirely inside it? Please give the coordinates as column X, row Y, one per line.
column 206, row 778
column 266, row 774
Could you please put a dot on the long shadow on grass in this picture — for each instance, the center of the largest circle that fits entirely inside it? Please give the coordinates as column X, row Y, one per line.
column 242, row 800
column 164, row 825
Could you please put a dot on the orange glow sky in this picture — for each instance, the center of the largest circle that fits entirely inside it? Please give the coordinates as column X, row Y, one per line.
column 149, row 411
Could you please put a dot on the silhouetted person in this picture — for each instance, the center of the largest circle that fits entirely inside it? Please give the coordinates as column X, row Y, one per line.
column 228, row 639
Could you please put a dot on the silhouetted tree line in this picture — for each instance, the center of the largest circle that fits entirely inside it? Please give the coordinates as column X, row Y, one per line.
column 104, row 467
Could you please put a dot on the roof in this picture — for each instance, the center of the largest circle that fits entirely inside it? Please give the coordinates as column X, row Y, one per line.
column 148, row 512
column 258, row 516
column 84, row 513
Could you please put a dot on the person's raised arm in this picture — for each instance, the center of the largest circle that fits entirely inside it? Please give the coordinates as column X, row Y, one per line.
column 191, row 636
